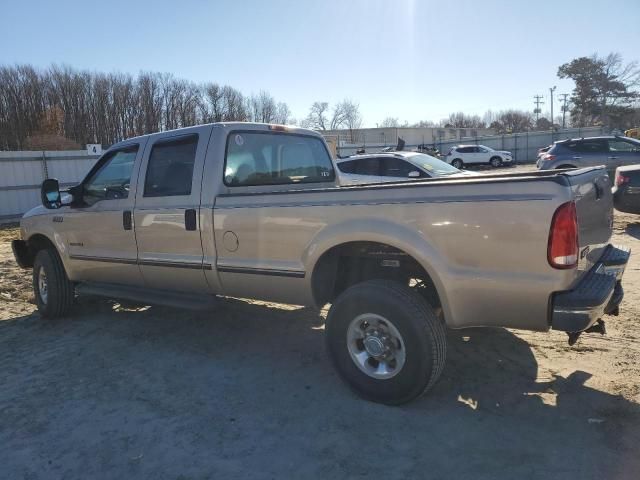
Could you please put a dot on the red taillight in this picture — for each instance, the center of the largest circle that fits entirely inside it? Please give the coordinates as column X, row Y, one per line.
column 548, row 157
column 621, row 179
column 562, row 251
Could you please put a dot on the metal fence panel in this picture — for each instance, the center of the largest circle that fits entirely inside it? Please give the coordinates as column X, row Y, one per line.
column 21, row 174
column 523, row 146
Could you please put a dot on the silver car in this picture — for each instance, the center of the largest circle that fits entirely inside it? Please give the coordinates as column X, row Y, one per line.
column 394, row 167
column 610, row 151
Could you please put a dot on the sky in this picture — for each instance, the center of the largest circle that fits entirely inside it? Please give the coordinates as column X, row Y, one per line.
column 410, row 59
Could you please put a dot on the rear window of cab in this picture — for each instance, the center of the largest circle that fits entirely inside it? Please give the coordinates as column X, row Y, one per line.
column 275, row 158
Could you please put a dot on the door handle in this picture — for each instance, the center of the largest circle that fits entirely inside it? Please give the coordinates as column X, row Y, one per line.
column 126, row 220
column 576, row 158
column 190, row 222
column 613, row 158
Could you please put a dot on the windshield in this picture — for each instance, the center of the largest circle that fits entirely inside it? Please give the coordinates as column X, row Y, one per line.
column 487, row 148
column 432, row 165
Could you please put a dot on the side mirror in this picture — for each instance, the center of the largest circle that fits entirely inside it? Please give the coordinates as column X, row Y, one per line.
column 414, row 174
column 50, row 194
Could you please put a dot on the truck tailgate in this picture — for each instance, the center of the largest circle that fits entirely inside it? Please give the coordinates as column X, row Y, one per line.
column 591, row 191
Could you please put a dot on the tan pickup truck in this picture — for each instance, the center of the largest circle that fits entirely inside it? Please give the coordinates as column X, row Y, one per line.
column 251, row 210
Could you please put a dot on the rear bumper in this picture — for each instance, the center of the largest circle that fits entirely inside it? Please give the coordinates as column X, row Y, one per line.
column 599, row 292
column 627, row 199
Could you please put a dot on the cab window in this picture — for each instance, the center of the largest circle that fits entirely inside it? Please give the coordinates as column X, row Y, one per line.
column 270, row 158
column 170, row 167
column 112, row 179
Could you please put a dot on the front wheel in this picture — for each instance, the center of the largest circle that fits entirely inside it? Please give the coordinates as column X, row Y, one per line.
column 385, row 341
column 495, row 162
column 457, row 163
column 52, row 289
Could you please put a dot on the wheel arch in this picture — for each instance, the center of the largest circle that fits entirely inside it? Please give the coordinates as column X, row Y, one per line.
column 39, row 241
column 322, row 254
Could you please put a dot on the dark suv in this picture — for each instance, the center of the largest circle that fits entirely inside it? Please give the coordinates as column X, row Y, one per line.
column 610, row 151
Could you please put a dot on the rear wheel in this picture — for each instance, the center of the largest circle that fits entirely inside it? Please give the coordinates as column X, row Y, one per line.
column 52, row 289
column 457, row 163
column 495, row 162
column 385, row 341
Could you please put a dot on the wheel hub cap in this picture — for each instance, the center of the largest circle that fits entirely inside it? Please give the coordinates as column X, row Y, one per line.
column 42, row 285
column 376, row 346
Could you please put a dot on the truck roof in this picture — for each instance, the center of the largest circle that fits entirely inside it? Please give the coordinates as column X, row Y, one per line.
column 247, row 125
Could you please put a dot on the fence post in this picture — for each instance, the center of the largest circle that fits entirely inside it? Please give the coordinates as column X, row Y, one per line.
column 527, row 143
column 45, row 170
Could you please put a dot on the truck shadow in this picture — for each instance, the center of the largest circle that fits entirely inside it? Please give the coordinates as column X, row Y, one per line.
column 251, row 383
column 633, row 229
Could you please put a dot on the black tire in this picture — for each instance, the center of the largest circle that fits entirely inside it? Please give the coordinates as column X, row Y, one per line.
column 561, row 167
column 495, row 162
column 422, row 332
column 59, row 290
column 457, row 163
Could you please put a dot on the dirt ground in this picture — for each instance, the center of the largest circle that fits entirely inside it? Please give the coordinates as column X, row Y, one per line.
column 247, row 391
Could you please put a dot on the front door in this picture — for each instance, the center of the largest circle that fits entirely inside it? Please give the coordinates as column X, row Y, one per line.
column 167, row 211
column 99, row 229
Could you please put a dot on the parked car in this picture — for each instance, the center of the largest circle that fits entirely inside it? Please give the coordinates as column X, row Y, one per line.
column 542, row 151
column 626, row 191
column 477, row 154
column 429, row 150
column 393, row 167
column 610, row 151
column 256, row 211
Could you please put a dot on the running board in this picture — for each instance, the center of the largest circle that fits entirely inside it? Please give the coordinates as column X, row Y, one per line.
column 149, row 296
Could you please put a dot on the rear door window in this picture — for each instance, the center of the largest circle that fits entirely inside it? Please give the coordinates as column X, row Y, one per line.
column 270, row 158
column 170, row 168
column 368, row 166
column 396, row 167
column 589, row 146
column 618, row 145
column 347, row 167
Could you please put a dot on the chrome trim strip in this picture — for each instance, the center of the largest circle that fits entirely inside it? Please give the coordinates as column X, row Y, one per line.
column 149, row 263
column 263, row 271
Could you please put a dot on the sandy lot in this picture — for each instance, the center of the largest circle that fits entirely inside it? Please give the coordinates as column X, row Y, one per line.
column 248, row 392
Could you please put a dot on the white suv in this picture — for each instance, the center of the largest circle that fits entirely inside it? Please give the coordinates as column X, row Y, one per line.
column 474, row 154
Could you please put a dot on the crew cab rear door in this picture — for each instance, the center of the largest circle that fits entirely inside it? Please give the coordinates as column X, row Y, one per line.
column 167, row 210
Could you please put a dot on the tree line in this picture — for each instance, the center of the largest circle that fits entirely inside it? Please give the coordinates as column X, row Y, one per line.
column 90, row 107
column 93, row 107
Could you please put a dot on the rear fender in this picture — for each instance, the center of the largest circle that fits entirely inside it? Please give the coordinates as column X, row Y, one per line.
column 388, row 233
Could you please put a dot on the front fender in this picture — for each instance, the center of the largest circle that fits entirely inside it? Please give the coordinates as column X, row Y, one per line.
column 383, row 231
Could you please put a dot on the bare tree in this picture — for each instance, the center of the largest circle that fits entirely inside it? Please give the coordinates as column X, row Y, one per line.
column 352, row 117
column 283, row 114
column 317, row 118
column 87, row 107
column 390, row 122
